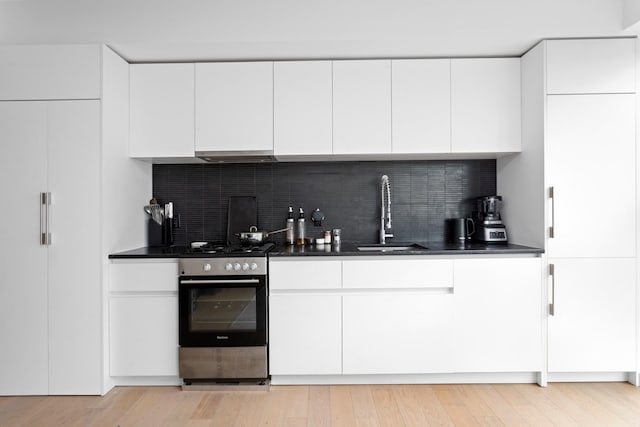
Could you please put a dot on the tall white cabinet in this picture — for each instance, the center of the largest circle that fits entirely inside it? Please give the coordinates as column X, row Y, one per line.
column 592, row 135
column 579, row 188
column 75, row 150
column 23, row 360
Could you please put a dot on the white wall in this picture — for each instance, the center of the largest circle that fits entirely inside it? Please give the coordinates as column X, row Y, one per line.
column 520, row 177
column 254, row 29
column 631, row 14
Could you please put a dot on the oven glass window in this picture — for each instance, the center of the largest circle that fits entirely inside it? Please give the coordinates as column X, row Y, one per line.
column 223, row 309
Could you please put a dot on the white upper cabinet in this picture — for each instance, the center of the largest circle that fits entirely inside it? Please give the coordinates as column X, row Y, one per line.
column 591, row 66
column 485, row 105
column 362, row 107
column 421, row 105
column 234, row 106
column 590, row 162
column 302, row 107
column 47, row 72
column 162, row 110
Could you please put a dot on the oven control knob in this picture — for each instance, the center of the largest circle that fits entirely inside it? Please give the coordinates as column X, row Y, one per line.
column 206, row 267
column 237, row 266
column 254, row 266
column 228, row 266
column 245, row 266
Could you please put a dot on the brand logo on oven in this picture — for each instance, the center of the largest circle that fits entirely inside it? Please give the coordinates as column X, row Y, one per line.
column 222, row 337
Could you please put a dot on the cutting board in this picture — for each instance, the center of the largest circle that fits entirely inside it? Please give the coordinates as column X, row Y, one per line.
column 243, row 213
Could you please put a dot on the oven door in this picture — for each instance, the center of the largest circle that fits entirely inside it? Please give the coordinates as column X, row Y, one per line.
column 222, row 311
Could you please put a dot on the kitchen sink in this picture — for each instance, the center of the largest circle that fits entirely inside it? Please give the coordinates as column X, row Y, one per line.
column 391, row 247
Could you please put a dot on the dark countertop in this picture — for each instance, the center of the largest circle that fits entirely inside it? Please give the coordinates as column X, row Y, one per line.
column 148, row 252
column 348, row 249
column 430, row 248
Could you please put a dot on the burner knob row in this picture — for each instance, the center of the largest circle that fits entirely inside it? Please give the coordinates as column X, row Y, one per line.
column 237, row 266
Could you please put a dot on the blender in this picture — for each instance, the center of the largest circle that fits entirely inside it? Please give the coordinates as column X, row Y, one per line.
column 489, row 226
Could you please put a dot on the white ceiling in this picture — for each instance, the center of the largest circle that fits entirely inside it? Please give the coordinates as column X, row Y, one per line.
column 183, row 30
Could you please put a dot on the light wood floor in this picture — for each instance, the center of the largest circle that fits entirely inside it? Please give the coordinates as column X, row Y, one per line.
column 599, row 404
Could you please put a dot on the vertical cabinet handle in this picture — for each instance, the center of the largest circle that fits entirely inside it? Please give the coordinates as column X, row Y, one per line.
column 45, row 234
column 43, row 220
column 552, row 304
column 553, row 213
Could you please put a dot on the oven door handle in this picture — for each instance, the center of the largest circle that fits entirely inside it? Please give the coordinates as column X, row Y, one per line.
column 217, row 282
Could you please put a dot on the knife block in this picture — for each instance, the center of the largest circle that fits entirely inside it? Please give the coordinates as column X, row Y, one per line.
column 155, row 233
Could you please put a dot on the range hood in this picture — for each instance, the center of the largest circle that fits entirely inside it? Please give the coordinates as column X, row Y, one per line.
column 236, row 156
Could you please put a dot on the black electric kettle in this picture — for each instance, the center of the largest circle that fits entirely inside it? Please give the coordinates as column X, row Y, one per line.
column 460, row 230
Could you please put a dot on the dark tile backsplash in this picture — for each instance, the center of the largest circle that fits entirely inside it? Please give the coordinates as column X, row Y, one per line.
column 423, row 195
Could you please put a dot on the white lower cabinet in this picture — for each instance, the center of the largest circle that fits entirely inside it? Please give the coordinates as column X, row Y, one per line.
column 498, row 315
column 143, row 319
column 305, row 334
column 593, row 328
column 436, row 316
column 389, row 333
column 144, row 336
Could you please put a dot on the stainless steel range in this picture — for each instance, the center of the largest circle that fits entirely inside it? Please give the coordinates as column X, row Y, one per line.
column 223, row 314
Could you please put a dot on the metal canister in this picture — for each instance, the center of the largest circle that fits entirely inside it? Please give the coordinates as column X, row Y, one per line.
column 336, row 236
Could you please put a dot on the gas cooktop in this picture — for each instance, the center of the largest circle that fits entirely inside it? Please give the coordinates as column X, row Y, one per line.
column 214, row 249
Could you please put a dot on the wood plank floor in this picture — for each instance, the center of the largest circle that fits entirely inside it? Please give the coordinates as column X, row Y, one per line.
column 560, row 404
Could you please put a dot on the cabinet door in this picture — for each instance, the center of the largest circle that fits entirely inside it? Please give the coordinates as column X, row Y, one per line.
column 395, row 333
column 383, row 273
column 157, row 275
column 75, row 276
column 421, row 106
column 46, row 71
column 162, row 110
column 302, row 108
column 305, row 335
column 362, row 107
column 590, row 162
column 234, row 106
column 591, row 66
column 593, row 326
column 485, row 105
column 144, row 335
column 498, row 315
column 294, row 274
column 23, row 294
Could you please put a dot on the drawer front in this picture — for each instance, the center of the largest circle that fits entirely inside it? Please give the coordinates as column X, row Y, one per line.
column 403, row 273
column 302, row 274
column 144, row 276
